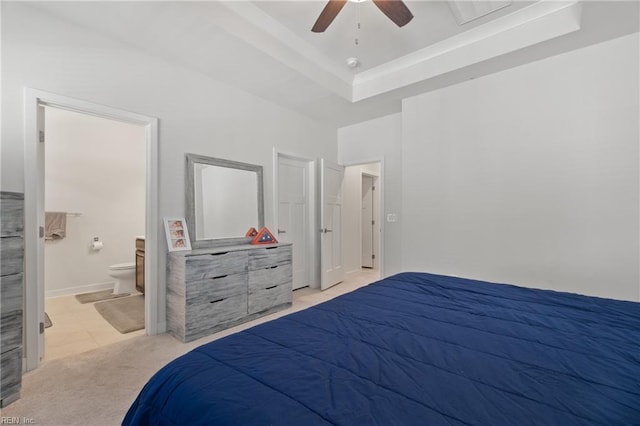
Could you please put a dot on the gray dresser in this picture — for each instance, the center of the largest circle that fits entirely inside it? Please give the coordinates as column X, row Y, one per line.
column 212, row 289
column 11, row 273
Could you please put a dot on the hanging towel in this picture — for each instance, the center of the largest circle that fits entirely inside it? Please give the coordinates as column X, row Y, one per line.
column 55, row 225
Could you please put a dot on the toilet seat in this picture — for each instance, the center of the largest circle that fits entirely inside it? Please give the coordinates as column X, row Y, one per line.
column 122, row 266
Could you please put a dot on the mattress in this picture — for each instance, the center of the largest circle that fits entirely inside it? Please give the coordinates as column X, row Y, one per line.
column 414, row 349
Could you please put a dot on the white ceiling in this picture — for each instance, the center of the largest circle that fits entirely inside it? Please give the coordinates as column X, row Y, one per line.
column 267, row 48
column 379, row 39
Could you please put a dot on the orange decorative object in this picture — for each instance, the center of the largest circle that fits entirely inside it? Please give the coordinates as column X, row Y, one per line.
column 264, row 237
column 252, row 232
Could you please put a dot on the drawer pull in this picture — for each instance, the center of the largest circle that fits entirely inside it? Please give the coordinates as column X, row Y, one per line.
column 217, row 300
column 271, row 267
column 270, row 248
column 218, row 277
column 269, row 288
column 218, row 254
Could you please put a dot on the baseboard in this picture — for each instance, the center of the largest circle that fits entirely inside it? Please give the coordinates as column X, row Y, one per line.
column 80, row 289
column 350, row 273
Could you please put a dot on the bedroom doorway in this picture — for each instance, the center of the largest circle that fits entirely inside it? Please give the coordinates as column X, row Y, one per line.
column 34, row 137
column 363, row 212
column 295, row 213
column 370, row 221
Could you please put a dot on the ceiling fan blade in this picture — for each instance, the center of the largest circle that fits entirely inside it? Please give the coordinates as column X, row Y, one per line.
column 327, row 15
column 395, row 10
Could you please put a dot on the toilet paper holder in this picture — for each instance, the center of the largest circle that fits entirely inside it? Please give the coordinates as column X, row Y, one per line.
column 96, row 244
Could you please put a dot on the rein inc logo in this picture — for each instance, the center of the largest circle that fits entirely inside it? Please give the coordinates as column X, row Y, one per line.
column 17, row 421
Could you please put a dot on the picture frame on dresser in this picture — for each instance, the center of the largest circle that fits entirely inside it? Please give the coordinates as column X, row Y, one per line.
column 177, row 234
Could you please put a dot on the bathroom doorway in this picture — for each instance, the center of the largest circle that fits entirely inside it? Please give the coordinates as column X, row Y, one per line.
column 363, row 207
column 36, row 102
column 94, row 202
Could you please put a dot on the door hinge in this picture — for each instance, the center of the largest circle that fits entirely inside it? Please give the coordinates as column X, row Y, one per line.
column 41, row 136
column 373, row 188
column 373, row 222
column 373, row 256
column 41, row 231
column 41, row 328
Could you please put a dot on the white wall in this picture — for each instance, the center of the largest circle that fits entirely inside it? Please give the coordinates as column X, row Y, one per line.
column 530, row 175
column 95, row 167
column 196, row 114
column 372, row 141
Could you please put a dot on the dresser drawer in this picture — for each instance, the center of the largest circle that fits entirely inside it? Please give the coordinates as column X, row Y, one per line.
column 205, row 266
column 205, row 316
column 12, row 214
column 10, row 330
column 215, row 288
column 11, row 311
column 266, row 298
column 10, row 374
column 11, row 293
column 11, row 253
column 268, row 277
column 265, row 257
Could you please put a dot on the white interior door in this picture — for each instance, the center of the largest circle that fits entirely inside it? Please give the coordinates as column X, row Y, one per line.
column 40, row 220
column 367, row 222
column 332, row 268
column 377, row 222
column 294, row 216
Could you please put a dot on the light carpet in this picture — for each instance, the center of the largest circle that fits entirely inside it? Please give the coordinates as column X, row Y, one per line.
column 96, row 388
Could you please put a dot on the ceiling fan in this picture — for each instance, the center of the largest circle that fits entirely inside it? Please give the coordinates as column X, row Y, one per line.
column 395, row 10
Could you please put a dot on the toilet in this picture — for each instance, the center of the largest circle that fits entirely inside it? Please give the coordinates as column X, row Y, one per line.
column 125, row 276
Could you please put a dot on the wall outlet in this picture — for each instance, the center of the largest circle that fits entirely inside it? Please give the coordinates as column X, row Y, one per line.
column 392, row 217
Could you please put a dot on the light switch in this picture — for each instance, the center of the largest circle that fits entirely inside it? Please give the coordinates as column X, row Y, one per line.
column 392, row 217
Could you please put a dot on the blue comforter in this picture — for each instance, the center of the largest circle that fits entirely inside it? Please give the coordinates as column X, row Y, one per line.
column 414, row 349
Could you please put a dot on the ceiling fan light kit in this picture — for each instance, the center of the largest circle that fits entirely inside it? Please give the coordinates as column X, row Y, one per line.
column 353, row 62
column 395, row 10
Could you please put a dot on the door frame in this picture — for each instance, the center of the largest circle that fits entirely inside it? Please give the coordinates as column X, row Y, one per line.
column 381, row 205
column 375, row 202
column 34, row 212
column 311, row 190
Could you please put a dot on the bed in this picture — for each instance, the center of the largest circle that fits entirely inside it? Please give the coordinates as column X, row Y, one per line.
column 414, row 348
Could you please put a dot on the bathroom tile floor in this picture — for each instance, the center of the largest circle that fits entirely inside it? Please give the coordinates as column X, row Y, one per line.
column 77, row 328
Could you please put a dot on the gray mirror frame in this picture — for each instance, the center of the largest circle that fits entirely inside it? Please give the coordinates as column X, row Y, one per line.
column 190, row 217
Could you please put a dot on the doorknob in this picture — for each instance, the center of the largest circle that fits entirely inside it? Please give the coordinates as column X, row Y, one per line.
column 281, row 231
column 325, row 230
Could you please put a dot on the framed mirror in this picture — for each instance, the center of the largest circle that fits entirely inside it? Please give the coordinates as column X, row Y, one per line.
column 224, row 199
